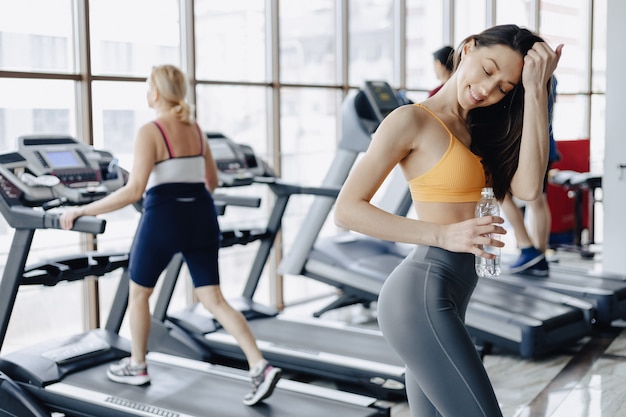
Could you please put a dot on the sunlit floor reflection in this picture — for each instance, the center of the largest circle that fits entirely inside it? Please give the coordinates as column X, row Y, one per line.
column 527, row 388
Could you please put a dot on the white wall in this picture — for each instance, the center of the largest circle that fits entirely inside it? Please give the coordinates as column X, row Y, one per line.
column 614, row 180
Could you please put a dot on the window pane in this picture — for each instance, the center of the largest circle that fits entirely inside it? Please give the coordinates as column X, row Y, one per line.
column 129, row 37
column 115, row 125
column 222, row 109
column 424, row 35
column 307, row 42
column 515, row 12
column 598, row 132
column 598, row 65
column 116, row 121
column 239, row 112
column 309, row 141
column 565, row 125
column 469, row 19
column 371, row 41
column 230, row 40
column 308, row 132
column 598, row 80
column 36, row 316
column 23, row 114
column 566, row 21
column 40, row 41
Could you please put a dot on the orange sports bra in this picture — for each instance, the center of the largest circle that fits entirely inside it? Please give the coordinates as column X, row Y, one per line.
column 458, row 177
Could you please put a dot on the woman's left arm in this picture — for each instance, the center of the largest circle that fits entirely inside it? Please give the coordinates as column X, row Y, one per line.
column 539, row 65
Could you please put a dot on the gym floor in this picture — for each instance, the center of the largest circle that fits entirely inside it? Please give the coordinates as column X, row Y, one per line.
column 585, row 380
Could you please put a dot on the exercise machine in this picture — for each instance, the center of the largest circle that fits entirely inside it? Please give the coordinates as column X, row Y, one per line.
column 67, row 374
column 606, row 292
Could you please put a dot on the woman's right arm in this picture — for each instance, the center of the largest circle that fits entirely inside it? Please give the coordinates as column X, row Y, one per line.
column 393, row 141
column 395, row 138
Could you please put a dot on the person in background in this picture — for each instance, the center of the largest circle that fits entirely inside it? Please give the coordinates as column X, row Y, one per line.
column 487, row 126
column 443, row 65
column 175, row 173
column 533, row 246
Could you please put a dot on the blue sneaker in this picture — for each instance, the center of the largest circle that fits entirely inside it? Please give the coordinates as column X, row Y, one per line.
column 528, row 258
column 540, row 269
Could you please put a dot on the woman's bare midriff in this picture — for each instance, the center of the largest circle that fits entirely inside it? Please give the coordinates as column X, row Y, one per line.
column 444, row 213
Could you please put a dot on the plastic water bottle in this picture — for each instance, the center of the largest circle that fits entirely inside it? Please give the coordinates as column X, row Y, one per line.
column 488, row 206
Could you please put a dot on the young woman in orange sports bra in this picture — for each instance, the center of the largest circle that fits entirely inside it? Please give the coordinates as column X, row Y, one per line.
column 488, row 125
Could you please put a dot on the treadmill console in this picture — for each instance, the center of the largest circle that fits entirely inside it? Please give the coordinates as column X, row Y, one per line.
column 371, row 104
column 381, row 97
column 237, row 164
column 49, row 168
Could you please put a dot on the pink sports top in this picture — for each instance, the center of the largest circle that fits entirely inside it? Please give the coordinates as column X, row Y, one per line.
column 178, row 169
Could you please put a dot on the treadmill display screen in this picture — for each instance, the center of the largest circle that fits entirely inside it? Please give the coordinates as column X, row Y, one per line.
column 384, row 96
column 62, row 159
column 222, row 150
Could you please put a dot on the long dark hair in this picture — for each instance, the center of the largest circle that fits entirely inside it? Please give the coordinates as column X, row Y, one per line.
column 497, row 130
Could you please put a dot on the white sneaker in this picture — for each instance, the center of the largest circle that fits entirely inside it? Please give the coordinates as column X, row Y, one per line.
column 126, row 373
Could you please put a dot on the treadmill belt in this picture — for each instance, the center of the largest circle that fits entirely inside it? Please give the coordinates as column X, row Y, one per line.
column 365, row 344
column 175, row 391
column 607, row 295
column 549, row 314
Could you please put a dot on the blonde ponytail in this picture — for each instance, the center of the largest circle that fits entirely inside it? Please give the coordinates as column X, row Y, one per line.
column 171, row 83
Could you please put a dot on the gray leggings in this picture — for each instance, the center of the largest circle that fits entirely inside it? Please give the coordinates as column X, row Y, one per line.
column 421, row 313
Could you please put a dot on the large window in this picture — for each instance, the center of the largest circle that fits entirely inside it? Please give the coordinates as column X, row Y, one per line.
column 424, row 35
column 37, row 35
column 48, row 107
column 308, row 42
column 514, row 12
column 129, row 37
column 237, row 111
column 230, row 40
column 371, row 40
column 470, row 17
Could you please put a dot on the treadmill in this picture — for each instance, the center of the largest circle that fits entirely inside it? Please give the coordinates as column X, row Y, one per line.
column 510, row 315
column 67, row 375
column 606, row 292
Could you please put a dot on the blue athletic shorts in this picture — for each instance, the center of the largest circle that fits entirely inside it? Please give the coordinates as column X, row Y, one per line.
column 177, row 217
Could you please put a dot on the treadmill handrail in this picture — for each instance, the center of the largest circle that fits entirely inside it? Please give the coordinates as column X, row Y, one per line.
column 283, row 187
column 283, row 191
column 25, row 221
column 21, row 217
column 355, row 139
column 237, row 200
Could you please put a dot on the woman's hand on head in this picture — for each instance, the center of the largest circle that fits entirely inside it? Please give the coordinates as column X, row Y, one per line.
column 469, row 235
column 539, row 65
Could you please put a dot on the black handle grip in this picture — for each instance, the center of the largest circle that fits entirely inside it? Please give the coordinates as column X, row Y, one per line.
column 86, row 224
